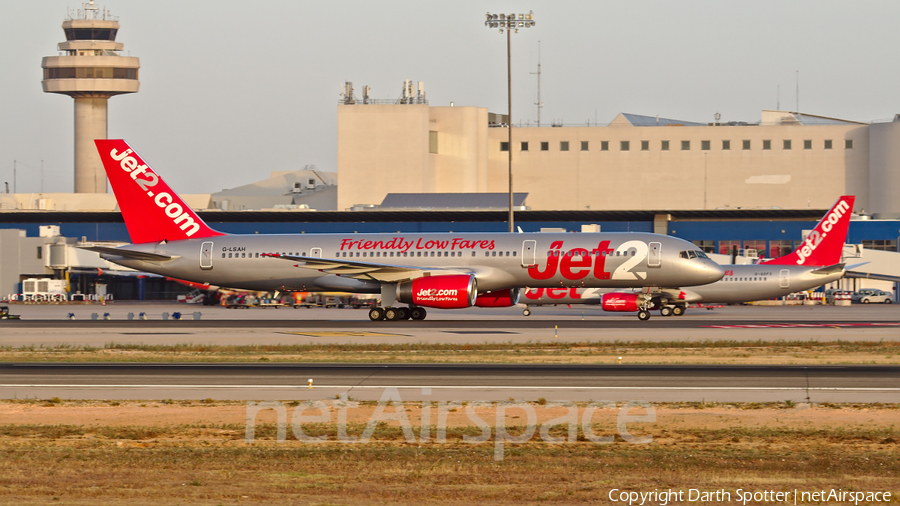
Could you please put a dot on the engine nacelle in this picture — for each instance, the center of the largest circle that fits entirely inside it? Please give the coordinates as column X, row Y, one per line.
column 443, row 292
column 498, row 298
column 617, row 301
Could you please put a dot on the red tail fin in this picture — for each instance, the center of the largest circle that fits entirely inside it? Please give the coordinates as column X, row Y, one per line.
column 152, row 211
column 825, row 243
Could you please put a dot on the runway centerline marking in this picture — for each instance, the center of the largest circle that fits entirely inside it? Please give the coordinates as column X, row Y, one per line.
column 344, row 334
column 456, row 387
column 479, row 332
column 801, row 325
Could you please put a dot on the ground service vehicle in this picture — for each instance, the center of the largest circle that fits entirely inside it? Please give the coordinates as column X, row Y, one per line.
column 437, row 270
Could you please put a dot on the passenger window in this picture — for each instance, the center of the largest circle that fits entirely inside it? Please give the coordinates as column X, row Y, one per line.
column 514, row 253
column 223, row 255
column 229, row 255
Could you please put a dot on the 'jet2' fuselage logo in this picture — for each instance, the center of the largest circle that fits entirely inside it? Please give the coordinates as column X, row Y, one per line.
column 580, row 263
column 179, row 216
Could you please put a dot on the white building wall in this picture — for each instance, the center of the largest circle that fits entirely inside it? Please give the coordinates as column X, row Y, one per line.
column 384, row 149
column 677, row 178
column 884, row 170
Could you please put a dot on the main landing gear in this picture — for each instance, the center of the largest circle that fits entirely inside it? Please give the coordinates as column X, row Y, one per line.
column 676, row 310
column 393, row 314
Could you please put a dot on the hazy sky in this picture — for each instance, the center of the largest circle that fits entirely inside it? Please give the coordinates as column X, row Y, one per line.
column 233, row 90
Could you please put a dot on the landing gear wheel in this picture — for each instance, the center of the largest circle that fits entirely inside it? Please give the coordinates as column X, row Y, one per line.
column 665, row 311
column 391, row 314
column 417, row 313
column 404, row 313
column 376, row 314
column 526, row 312
column 678, row 310
column 643, row 315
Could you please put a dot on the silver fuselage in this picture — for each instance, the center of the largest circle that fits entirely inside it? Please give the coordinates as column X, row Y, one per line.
column 498, row 260
column 741, row 283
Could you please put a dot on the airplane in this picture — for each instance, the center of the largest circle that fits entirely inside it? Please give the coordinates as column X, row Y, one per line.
column 433, row 270
column 815, row 262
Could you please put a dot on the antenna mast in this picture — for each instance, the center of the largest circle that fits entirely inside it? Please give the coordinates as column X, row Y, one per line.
column 539, row 104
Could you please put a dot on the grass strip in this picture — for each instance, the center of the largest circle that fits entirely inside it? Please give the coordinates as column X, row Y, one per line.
column 718, row 351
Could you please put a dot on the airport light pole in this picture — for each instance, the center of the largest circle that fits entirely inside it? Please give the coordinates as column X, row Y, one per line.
column 509, row 23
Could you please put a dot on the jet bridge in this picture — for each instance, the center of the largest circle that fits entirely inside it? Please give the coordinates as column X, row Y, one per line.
column 876, row 265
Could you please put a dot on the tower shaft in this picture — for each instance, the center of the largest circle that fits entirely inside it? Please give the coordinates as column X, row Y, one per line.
column 90, row 124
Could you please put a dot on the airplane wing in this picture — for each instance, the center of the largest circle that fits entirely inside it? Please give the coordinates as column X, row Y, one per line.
column 369, row 271
column 137, row 255
column 680, row 295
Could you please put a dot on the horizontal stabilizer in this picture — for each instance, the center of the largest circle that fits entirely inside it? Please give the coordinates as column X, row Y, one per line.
column 855, row 266
column 831, row 269
column 126, row 253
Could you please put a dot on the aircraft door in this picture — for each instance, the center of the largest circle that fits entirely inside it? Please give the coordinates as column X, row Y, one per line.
column 206, row 255
column 784, row 278
column 528, row 253
column 315, row 253
column 654, row 257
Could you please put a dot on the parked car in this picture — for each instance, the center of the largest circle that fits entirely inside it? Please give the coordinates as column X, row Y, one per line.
column 872, row 296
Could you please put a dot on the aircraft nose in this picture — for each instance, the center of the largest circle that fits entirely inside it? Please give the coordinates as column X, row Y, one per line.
column 712, row 270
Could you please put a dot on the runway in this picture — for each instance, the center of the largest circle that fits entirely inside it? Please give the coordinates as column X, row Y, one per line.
column 455, row 382
column 48, row 326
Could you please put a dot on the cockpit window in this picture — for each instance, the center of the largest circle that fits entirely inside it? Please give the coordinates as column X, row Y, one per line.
column 692, row 254
column 701, row 254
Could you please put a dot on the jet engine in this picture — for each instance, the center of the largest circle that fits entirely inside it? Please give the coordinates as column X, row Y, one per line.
column 498, row 298
column 444, row 292
column 617, row 301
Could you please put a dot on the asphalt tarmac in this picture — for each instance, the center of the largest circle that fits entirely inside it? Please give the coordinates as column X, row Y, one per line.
column 452, row 382
column 47, row 325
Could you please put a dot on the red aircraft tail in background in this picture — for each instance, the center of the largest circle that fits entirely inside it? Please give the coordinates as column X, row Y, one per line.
column 152, row 211
column 825, row 243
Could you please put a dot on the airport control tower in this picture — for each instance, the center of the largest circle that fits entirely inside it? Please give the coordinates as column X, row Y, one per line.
column 90, row 70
